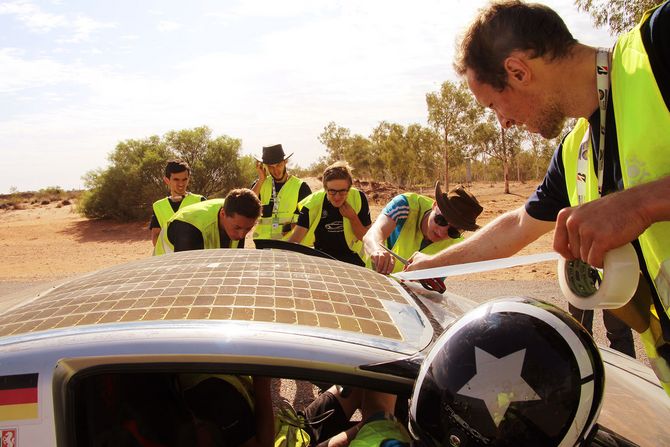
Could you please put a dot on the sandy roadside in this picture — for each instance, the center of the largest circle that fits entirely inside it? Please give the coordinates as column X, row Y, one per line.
column 46, row 244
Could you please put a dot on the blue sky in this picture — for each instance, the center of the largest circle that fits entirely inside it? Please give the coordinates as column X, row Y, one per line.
column 77, row 77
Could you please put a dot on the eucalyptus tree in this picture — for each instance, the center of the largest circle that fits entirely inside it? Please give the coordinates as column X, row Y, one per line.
column 335, row 138
column 617, row 15
column 451, row 111
column 391, row 147
column 424, row 143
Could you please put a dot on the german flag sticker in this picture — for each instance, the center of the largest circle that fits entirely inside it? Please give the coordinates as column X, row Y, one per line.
column 18, row 397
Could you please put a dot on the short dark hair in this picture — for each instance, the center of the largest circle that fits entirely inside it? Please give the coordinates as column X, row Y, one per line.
column 175, row 167
column 339, row 170
column 242, row 201
column 506, row 26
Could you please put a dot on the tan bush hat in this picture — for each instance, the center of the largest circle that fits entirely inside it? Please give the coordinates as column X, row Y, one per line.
column 459, row 207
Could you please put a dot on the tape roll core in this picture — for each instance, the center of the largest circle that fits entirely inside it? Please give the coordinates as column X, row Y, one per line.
column 586, row 287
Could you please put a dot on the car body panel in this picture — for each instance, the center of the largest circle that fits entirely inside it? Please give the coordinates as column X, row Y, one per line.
column 237, row 311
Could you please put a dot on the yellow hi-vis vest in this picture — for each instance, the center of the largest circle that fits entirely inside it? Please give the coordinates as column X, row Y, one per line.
column 202, row 215
column 374, row 433
column 643, row 133
column 410, row 237
column 163, row 211
column 314, row 203
column 288, row 202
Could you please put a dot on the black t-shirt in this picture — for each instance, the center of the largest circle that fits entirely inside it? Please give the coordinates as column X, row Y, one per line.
column 175, row 207
column 185, row 236
column 329, row 232
column 552, row 195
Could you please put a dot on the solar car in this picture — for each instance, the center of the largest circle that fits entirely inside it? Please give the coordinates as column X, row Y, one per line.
column 72, row 354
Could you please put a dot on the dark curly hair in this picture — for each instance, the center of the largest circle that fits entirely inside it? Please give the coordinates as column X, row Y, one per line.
column 175, row 167
column 242, row 201
column 506, row 26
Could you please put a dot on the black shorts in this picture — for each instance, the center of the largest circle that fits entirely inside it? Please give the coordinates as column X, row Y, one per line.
column 325, row 418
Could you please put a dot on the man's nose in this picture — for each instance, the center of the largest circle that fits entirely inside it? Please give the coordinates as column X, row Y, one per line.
column 505, row 122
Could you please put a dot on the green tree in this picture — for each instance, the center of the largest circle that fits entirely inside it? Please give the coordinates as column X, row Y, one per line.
column 212, row 172
column 451, row 111
column 391, row 147
column 358, row 153
column 424, row 143
column 336, row 139
column 134, row 179
column 617, row 15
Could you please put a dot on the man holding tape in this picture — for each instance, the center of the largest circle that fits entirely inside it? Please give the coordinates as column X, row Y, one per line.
column 521, row 61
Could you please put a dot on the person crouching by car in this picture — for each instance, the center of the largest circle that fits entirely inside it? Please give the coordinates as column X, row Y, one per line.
column 216, row 223
column 412, row 222
column 334, row 219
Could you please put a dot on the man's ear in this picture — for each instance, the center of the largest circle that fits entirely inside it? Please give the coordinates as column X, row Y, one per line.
column 166, row 181
column 517, row 70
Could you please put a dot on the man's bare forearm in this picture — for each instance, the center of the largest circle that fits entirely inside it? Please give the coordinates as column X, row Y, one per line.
column 502, row 237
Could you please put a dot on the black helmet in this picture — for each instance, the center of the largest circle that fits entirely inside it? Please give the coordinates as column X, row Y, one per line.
column 514, row 372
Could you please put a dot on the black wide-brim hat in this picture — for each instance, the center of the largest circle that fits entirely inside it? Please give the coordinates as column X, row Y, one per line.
column 459, row 207
column 273, row 155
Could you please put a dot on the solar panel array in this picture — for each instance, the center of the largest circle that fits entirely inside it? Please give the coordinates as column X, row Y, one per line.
column 249, row 285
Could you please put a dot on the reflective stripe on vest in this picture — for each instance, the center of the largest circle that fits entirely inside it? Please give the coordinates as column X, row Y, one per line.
column 288, row 202
column 314, row 203
column 643, row 133
column 410, row 237
column 163, row 212
column 205, row 217
column 374, row 433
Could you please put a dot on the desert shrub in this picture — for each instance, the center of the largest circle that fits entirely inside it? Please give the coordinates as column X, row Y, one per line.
column 134, row 180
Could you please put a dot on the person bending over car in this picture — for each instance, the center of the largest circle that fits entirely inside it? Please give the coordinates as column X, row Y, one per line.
column 412, row 222
column 216, row 223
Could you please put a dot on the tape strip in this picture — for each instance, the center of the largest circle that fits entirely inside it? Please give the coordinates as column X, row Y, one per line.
column 587, row 288
column 476, row 267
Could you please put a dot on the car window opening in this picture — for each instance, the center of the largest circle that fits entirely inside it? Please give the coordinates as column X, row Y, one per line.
column 160, row 409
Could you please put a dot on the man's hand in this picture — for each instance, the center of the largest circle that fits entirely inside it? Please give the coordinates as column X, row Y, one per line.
column 420, row 261
column 589, row 231
column 382, row 261
column 347, row 211
column 260, row 168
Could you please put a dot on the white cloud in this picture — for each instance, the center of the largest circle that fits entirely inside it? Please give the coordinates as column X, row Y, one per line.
column 17, row 73
column 32, row 16
column 80, row 27
column 168, row 25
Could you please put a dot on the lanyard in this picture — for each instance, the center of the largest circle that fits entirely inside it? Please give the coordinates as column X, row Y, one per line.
column 275, row 204
column 603, row 84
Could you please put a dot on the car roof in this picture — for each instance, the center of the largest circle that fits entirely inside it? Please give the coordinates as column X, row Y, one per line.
column 288, row 292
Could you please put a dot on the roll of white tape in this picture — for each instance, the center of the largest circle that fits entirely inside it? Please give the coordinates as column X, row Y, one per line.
column 586, row 287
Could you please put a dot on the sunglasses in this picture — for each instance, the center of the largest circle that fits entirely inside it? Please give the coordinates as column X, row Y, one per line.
column 453, row 232
column 335, row 192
